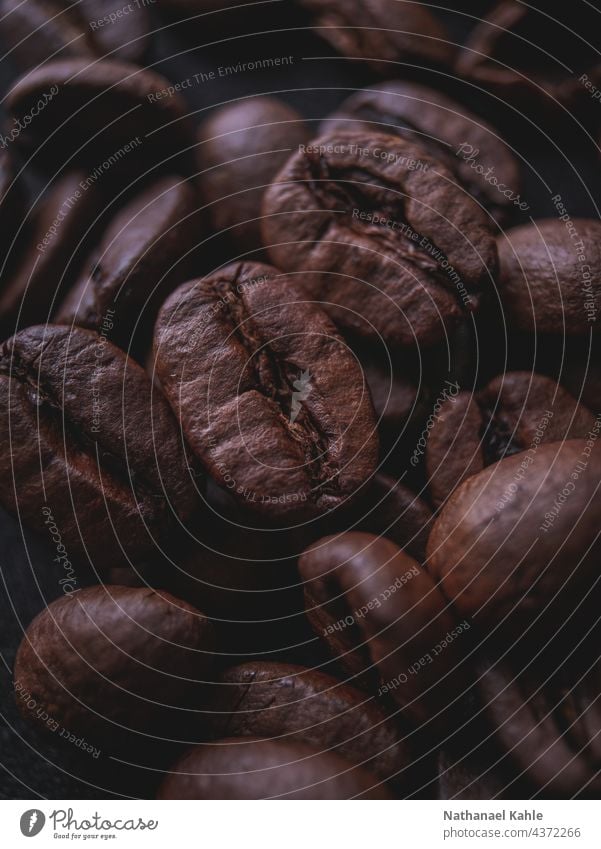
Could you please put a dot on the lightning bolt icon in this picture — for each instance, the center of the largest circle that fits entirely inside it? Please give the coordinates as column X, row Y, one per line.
column 32, row 821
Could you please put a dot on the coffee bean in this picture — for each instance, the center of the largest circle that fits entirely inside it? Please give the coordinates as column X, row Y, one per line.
column 515, row 412
column 386, row 239
column 530, row 58
column 469, row 147
column 385, row 35
column 48, row 253
column 112, row 663
column 242, row 147
column 281, row 700
column 364, row 595
column 267, row 769
column 125, row 35
column 109, row 115
column 550, row 276
column 144, row 253
column 40, row 30
column 268, row 395
column 515, row 545
column 94, row 447
column 549, row 727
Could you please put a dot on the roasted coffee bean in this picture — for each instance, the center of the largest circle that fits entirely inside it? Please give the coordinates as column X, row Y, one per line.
column 387, row 241
column 284, row 701
column 40, row 30
column 267, row 769
column 48, row 253
column 269, row 397
column 545, row 285
column 383, row 34
column 144, row 253
column 242, row 147
column 120, row 31
column 550, row 727
column 531, row 58
column 109, row 115
column 365, row 595
column 515, row 412
column 95, row 448
column 464, row 142
column 516, row 545
column 108, row 662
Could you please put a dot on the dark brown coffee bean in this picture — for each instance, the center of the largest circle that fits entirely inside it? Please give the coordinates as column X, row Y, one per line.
column 531, row 58
column 40, row 30
column 109, row 662
column 110, row 115
column 48, row 253
column 383, row 34
column 550, row 280
column 364, row 593
column 464, row 142
column 144, row 253
column 550, row 727
column 516, row 544
column 270, row 398
column 120, row 31
column 284, row 701
column 95, row 448
column 242, row 147
column 515, row 412
column 267, row 769
column 387, row 241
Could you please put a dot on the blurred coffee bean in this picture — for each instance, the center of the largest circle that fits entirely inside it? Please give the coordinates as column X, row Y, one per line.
column 48, row 253
column 109, row 115
column 384, row 35
column 267, row 769
column 40, row 30
column 96, row 451
column 516, row 545
column 145, row 252
column 364, row 595
column 242, row 147
column 549, row 726
column 530, row 58
column 113, row 663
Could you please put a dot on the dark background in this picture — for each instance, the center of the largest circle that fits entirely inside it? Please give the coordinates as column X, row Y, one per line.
column 559, row 156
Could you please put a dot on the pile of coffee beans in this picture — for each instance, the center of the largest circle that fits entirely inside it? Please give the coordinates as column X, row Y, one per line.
column 301, row 395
